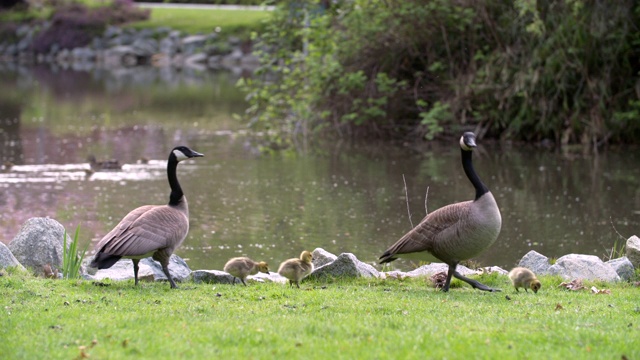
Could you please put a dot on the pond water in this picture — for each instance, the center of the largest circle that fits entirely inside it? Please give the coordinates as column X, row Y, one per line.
column 343, row 197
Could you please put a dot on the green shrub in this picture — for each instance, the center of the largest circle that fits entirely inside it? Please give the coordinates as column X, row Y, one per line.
column 527, row 70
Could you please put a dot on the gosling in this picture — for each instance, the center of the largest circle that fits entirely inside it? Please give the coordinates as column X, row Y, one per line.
column 524, row 278
column 241, row 267
column 297, row 269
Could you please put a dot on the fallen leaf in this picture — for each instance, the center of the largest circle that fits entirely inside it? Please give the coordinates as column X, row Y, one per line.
column 574, row 285
column 559, row 307
column 601, row 291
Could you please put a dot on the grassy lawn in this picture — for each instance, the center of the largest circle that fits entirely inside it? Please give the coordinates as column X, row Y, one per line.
column 345, row 319
column 194, row 21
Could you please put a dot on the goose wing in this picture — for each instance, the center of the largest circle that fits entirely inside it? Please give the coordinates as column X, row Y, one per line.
column 145, row 230
column 424, row 236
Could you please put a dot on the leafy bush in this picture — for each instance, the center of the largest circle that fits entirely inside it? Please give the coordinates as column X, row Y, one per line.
column 524, row 69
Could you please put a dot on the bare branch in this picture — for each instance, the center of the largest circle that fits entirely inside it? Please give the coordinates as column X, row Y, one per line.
column 616, row 230
column 406, row 195
column 426, row 196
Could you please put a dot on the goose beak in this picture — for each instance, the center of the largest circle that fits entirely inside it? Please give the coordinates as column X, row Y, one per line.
column 196, row 154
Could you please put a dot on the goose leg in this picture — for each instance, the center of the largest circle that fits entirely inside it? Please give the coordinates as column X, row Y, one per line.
column 475, row 284
column 241, row 279
column 135, row 270
column 165, row 269
column 452, row 269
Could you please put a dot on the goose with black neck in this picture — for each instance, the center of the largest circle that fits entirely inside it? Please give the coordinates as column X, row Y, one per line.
column 455, row 232
column 150, row 230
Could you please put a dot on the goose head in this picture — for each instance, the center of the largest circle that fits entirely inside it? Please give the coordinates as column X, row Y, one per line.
column 183, row 153
column 535, row 285
column 263, row 267
column 468, row 141
column 306, row 257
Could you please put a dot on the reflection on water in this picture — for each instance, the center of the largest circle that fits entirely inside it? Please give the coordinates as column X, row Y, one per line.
column 342, row 197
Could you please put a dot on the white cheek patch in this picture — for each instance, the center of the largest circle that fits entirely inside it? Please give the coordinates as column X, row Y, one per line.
column 463, row 145
column 180, row 155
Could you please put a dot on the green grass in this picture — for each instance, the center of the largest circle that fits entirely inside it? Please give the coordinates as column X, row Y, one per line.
column 348, row 319
column 194, row 21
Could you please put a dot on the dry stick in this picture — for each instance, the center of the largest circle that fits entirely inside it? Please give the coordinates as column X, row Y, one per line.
column 406, row 196
column 616, row 230
column 426, row 196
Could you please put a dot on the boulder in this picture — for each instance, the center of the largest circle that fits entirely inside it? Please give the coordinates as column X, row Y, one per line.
column 322, row 257
column 39, row 243
column 177, row 267
column 587, row 267
column 623, row 267
column 123, row 270
column 535, row 262
column 345, row 265
column 149, row 270
column 633, row 251
column 494, row 269
column 7, row 259
column 434, row 268
column 212, row 277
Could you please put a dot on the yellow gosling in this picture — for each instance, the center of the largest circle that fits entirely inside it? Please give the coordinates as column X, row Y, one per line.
column 241, row 267
column 524, row 278
column 297, row 269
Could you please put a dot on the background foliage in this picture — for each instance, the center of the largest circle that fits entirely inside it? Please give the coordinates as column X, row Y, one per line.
column 565, row 71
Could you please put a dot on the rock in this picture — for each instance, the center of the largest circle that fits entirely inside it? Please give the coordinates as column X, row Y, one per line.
column 38, row 243
column 177, row 267
column 434, row 268
column 213, row 277
column 145, row 47
column 492, row 269
column 623, row 267
column 535, row 262
column 633, row 251
column 345, row 265
column 191, row 43
column 322, row 257
column 123, row 270
column 149, row 270
column 7, row 259
column 196, row 61
column 586, row 267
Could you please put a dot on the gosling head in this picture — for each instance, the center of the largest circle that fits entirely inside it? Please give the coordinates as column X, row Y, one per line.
column 468, row 141
column 535, row 285
column 306, row 257
column 263, row 267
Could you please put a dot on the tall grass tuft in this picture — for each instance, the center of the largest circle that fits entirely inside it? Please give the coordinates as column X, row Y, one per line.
column 618, row 250
column 72, row 258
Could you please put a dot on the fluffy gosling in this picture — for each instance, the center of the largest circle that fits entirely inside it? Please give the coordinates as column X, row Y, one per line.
column 524, row 278
column 241, row 267
column 297, row 269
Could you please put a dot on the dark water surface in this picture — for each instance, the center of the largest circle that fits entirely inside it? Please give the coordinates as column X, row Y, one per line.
column 342, row 197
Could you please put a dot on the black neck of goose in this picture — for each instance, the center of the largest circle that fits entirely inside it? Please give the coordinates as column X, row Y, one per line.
column 467, row 165
column 176, row 191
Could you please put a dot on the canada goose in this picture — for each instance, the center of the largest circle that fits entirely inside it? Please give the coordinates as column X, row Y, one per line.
column 111, row 164
column 240, row 267
column 524, row 278
column 454, row 232
column 151, row 229
column 297, row 269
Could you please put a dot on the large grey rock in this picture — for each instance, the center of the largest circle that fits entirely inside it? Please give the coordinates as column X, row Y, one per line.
column 212, row 277
column 177, row 267
column 39, row 243
column 345, row 265
column 623, row 267
column 434, row 268
column 535, row 262
column 587, row 267
column 633, row 251
column 7, row 259
column 123, row 270
column 149, row 270
column 221, row 277
column 322, row 257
